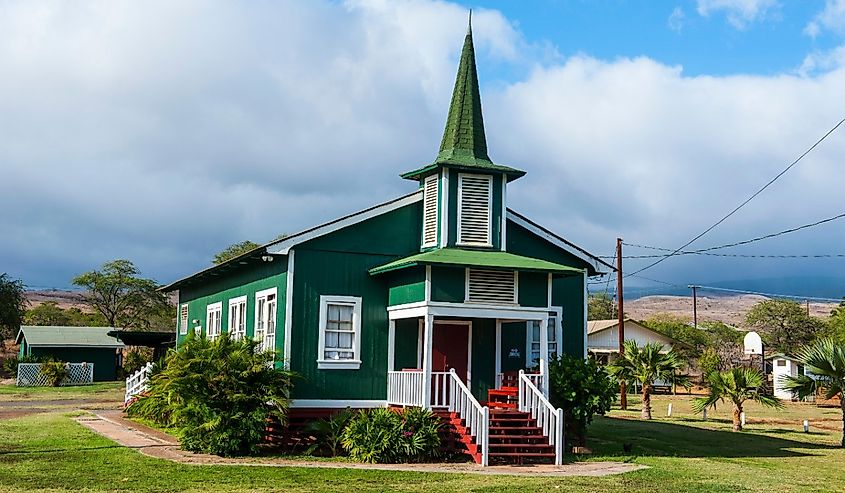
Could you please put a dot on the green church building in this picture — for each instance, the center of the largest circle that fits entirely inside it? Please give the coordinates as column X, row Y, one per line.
column 419, row 300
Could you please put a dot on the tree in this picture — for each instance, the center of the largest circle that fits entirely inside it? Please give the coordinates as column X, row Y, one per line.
column 124, row 299
column 601, row 307
column 736, row 385
column 679, row 329
column 836, row 324
column 233, row 251
column 582, row 388
column 645, row 365
column 784, row 324
column 12, row 306
column 50, row 313
column 825, row 361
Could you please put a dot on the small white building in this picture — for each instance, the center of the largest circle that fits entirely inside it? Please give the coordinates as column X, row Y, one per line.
column 603, row 338
column 783, row 366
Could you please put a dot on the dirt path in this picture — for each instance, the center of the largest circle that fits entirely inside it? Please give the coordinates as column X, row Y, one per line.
column 150, row 442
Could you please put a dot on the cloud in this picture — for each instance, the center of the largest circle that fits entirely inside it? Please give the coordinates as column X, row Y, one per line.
column 739, row 13
column 676, row 19
column 165, row 132
column 831, row 18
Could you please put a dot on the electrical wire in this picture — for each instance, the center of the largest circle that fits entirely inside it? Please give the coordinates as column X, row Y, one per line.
column 770, row 295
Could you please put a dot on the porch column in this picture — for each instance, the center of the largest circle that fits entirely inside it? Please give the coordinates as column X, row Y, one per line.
column 391, row 345
column 544, row 354
column 428, row 341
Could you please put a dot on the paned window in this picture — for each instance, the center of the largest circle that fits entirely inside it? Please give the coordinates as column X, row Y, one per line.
column 340, row 333
column 553, row 331
column 265, row 319
column 183, row 319
column 430, row 211
column 475, row 210
column 213, row 320
column 237, row 317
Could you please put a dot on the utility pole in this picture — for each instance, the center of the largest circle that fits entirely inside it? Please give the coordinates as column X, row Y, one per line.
column 623, row 397
column 808, row 307
column 694, row 305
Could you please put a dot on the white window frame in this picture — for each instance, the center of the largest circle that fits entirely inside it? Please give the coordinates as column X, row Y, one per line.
column 265, row 336
column 211, row 323
column 557, row 313
column 432, row 178
column 344, row 364
column 489, row 242
column 184, row 315
column 237, row 306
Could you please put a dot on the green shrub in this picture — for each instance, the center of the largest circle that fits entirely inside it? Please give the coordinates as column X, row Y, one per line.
column 10, row 366
column 329, row 433
column 217, row 395
column 582, row 388
column 135, row 359
column 55, row 371
column 385, row 436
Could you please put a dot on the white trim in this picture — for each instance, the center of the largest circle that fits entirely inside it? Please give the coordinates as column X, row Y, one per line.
column 232, row 321
column 558, row 328
column 428, row 340
column 464, row 310
column 503, row 238
column 586, row 297
column 489, row 179
column 516, row 287
column 259, row 295
column 466, row 284
column 183, row 331
column 469, row 354
column 419, row 343
column 209, row 310
column 340, row 364
column 391, row 343
column 557, row 241
column 444, row 212
column 549, row 289
column 427, row 283
column 498, row 347
column 424, row 184
column 282, row 247
column 288, row 310
column 336, row 403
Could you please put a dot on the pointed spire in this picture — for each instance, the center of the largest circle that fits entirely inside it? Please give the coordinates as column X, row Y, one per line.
column 463, row 138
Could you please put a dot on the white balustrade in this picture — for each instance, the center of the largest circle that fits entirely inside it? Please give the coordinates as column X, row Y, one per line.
column 137, row 382
column 532, row 400
column 475, row 416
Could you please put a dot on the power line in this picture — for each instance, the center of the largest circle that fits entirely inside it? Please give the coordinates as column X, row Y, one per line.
column 771, row 295
column 746, row 201
column 742, row 255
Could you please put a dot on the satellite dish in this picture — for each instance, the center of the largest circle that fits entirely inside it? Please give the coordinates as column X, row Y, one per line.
column 753, row 343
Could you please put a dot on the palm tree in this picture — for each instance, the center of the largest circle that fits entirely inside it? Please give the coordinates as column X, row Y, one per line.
column 825, row 360
column 736, row 385
column 646, row 365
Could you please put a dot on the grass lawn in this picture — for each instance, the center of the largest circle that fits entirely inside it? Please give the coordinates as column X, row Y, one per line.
column 101, row 391
column 684, row 454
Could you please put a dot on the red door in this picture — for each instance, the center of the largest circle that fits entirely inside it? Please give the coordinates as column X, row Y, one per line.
column 450, row 349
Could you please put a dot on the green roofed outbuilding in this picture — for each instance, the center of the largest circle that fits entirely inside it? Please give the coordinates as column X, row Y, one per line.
column 74, row 345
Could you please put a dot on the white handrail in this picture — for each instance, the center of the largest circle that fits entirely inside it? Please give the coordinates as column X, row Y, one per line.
column 532, row 400
column 476, row 416
column 137, row 382
column 404, row 388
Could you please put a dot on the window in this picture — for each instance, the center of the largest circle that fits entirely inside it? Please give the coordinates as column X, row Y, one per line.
column 237, row 317
column 780, row 362
column 213, row 324
column 340, row 333
column 183, row 319
column 430, row 211
column 553, row 329
column 491, row 286
column 265, row 319
column 475, row 204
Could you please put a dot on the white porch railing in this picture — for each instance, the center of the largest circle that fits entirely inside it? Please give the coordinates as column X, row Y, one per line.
column 539, row 379
column 533, row 401
column 29, row 374
column 476, row 417
column 137, row 382
column 405, row 388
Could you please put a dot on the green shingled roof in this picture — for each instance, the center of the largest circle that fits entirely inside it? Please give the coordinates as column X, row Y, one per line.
column 58, row 336
column 474, row 258
column 464, row 144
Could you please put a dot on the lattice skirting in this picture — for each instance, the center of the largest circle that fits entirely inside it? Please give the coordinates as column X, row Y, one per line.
column 29, row 374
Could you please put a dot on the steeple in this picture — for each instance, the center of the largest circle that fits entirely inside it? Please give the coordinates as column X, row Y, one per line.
column 464, row 145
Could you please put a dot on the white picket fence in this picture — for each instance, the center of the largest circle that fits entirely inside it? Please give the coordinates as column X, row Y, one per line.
column 137, row 382
column 29, row 374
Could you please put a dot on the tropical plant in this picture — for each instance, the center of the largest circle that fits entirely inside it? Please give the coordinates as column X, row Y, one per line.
column 329, row 432
column 784, row 324
column 708, row 362
column 645, row 365
column 386, row 436
column 10, row 365
column 135, row 359
column 582, row 388
column 12, row 306
column 50, row 313
column 217, row 395
column 736, row 385
column 233, row 251
column 54, row 371
column 825, row 361
column 601, row 307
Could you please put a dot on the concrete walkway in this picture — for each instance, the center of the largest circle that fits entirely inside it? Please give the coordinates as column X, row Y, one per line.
column 111, row 424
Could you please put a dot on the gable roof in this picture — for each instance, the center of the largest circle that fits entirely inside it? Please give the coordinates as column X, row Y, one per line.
column 599, row 266
column 596, row 326
column 61, row 336
column 464, row 145
column 475, row 258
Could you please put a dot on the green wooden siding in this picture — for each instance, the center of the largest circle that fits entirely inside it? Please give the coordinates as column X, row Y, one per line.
column 448, row 284
column 104, row 359
column 337, row 264
column 245, row 281
column 533, row 289
column 513, row 337
column 406, row 286
column 406, row 344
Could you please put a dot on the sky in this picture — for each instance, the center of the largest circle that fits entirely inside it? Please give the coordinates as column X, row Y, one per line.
column 162, row 131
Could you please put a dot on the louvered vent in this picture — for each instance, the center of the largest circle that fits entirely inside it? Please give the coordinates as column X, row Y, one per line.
column 475, row 197
column 430, row 211
column 492, row 286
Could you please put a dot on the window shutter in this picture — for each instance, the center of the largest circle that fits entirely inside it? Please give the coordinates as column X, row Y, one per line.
column 430, row 211
column 491, row 286
column 475, row 199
